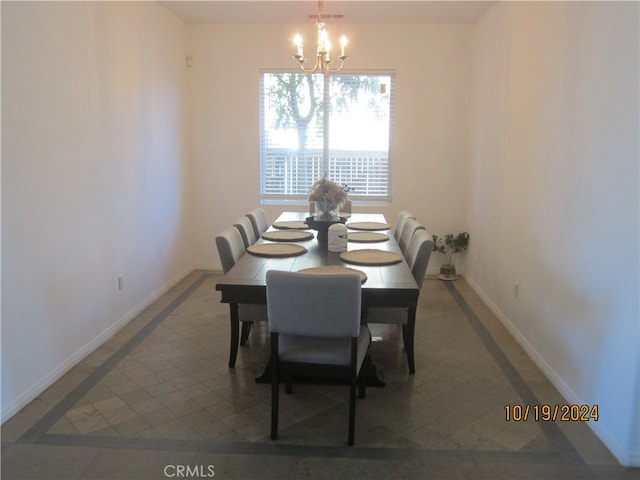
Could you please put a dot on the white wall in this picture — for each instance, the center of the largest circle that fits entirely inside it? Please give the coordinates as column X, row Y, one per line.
column 94, row 178
column 433, row 65
column 554, row 197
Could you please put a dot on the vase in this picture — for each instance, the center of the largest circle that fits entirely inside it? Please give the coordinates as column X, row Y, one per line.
column 448, row 272
column 324, row 211
column 345, row 209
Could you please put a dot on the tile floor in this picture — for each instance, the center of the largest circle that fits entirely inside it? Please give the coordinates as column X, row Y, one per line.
column 158, row 401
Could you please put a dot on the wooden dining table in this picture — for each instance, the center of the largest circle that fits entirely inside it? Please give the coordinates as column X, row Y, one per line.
column 390, row 285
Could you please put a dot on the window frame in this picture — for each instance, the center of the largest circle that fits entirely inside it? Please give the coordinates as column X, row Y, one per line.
column 300, row 199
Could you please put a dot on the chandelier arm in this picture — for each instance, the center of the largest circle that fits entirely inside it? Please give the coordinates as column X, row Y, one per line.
column 301, row 62
column 326, row 68
column 321, row 65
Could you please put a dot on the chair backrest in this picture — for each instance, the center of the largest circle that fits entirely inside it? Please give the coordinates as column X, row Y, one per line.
column 402, row 218
column 409, row 228
column 230, row 247
column 418, row 254
column 258, row 218
column 244, row 226
column 314, row 305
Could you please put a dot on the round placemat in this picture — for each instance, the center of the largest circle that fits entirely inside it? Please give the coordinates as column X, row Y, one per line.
column 370, row 256
column 287, row 235
column 277, row 250
column 330, row 269
column 368, row 226
column 367, row 237
column 294, row 224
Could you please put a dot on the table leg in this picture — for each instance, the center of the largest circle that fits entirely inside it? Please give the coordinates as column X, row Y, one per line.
column 370, row 374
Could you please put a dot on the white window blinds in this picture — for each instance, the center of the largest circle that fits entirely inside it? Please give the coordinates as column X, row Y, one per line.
column 334, row 126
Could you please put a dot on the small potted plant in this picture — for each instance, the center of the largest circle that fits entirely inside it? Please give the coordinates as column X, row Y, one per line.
column 449, row 246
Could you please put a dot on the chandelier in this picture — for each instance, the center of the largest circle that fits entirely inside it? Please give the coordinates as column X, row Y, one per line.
column 323, row 49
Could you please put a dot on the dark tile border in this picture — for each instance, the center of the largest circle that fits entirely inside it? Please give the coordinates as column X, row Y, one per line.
column 39, row 429
column 565, row 453
column 550, row 429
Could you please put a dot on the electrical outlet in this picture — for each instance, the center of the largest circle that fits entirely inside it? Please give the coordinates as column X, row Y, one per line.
column 120, row 282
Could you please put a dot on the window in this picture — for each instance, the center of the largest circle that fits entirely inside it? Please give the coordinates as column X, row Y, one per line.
column 316, row 125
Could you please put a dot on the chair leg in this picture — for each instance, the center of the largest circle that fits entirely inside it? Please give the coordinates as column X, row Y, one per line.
column 235, row 334
column 404, row 337
column 352, row 410
column 409, row 338
column 275, row 386
column 353, row 381
column 246, row 328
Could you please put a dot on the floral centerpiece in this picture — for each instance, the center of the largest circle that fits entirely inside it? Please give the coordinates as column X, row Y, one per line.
column 328, row 197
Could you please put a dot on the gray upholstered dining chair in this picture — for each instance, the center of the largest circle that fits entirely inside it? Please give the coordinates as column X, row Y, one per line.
column 418, row 256
column 316, row 331
column 409, row 228
column 258, row 218
column 403, row 216
column 244, row 226
column 230, row 249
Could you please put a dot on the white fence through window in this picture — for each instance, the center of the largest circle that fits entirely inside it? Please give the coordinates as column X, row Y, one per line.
column 286, row 174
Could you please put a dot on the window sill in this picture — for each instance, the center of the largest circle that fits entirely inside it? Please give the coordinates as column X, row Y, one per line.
column 296, row 202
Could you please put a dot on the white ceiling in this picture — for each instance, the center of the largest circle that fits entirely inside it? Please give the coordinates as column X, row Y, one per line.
column 358, row 11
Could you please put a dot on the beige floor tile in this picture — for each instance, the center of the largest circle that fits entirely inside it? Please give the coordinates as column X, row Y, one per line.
column 172, row 402
column 46, row 462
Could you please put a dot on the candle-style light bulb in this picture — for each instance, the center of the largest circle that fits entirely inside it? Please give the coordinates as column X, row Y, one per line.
column 298, row 42
column 343, row 43
column 323, row 40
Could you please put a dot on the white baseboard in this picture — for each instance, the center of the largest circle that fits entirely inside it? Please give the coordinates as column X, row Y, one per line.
column 432, row 271
column 623, row 455
column 523, row 342
column 209, row 266
column 53, row 376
